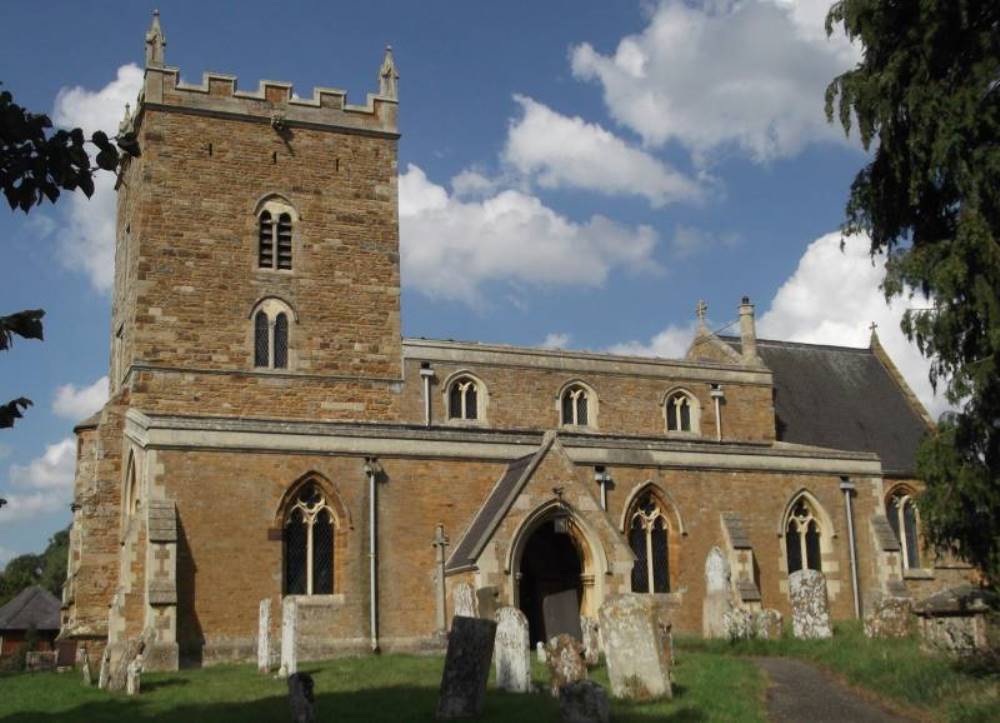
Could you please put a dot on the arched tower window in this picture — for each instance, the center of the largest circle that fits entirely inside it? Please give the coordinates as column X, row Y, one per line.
column 648, row 534
column 275, row 221
column 308, row 538
column 902, row 513
column 270, row 334
column 803, row 531
column 681, row 412
column 463, row 398
column 577, row 406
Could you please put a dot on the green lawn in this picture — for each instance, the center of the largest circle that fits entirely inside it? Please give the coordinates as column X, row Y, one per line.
column 895, row 670
column 708, row 686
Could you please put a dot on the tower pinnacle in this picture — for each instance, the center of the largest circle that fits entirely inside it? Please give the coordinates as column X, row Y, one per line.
column 155, row 42
column 388, row 76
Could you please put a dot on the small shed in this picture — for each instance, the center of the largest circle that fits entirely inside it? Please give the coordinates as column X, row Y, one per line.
column 33, row 608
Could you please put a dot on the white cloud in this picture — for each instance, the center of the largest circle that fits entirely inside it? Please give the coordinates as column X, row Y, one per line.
column 832, row 298
column 450, row 248
column 556, row 340
column 471, row 182
column 748, row 74
column 671, row 343
column 688, row 241
column 562, row 152
column 47, row 482
column 75, row 403
column 86, row 236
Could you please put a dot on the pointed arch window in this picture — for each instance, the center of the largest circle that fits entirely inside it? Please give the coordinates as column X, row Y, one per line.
column 463, row 399
column 902, row 513
column 803, row 532
column 576, row 406
column 308, row 537
column 270, row 334
column 275, row 223
column 681, row 411
column 648, row 535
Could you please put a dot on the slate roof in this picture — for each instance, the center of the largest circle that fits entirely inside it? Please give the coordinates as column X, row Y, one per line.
column 841, row 398
column 33, row 606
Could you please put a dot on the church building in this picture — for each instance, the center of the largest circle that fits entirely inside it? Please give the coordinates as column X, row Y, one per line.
column 271, row 434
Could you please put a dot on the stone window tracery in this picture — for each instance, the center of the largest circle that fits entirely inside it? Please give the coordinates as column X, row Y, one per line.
column 902, row 513
column 463, row 399
column 270, row 335
column 575, row 406
column 648, row 538
column 802, row 538
column 308, row 537
column 681, row 412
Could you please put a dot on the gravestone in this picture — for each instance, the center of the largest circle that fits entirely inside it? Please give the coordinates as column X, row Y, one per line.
column 740, row 623
column 463, row 601
column 540, row 651
column 637, row 656
column 561, row 614
column 105, row 672
column 133, row 676
column 264, row 636
column 86, row 672
column 890, row 617
column 487, row 602
column 289, row 652
column 466, row 668
column 301, row 697
column 583, row 702
column 591, row 641
column 810, row 609
column 512, row 651
column 960, row 621
column 119, row 669
column 564, row 657
column 718, row 595
column 768, row 624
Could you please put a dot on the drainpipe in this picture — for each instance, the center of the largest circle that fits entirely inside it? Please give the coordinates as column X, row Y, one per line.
column 440, row 542
column 602, row 477
column 372, row 469
column 427, row 374
column 848, row 489
column 717, row 396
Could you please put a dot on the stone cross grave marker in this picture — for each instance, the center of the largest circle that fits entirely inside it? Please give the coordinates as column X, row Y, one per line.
column 466, row 668
column 810, row 609
column 512, row 651
column 637, row 656
column 264, row 636
column 564, row 657
column 718, row 595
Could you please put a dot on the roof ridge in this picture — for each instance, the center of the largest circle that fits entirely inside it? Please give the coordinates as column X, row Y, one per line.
column 802, row 344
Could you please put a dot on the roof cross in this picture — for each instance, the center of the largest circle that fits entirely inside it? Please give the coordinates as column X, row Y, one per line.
column 700, row 310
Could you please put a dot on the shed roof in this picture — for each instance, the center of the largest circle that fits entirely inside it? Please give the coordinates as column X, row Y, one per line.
column 32, row 607
column 841, row 398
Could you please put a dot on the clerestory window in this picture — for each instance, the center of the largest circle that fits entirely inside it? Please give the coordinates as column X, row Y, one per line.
column 576, row 406
column 463, row 399
column 648, row 538
column 681, row 412
column 308, row 536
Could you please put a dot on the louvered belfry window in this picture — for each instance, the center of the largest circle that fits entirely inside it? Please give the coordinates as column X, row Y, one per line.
column 283, row 234
column 308, row 537
column 274, row 240
column 265, row 254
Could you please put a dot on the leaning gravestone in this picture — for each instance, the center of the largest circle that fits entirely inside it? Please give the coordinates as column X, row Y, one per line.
column 561, row 614
column 718, row 595
column 463, row 601
column 133, row 676
column 466, row 668
column 512, row 651
column 564, row 657
column 637, row 657
column 301, row 698
column 264, row 636
column 88, row 675
column 105, row 672
column 591, row 641
column 118, row 676
column 583, row 702
column 810, row 609
column 289, row 652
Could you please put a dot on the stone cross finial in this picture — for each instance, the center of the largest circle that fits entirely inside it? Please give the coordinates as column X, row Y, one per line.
column 874, row 336
column 155, row 42
column 700, row 310
column 388, row 76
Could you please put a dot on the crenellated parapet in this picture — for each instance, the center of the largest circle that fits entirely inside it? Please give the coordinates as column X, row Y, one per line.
column 273, row 102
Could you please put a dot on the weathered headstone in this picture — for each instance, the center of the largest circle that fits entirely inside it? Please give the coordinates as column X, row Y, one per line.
column 637, row 657
column 463, row 601
column 740, row 623
column 540, row 651
column 890, row 617
column 105, row 672
column 718, row 595
column 561, row 614
column 591, row 641
column 583, row 702
column 119, row 665
column 564, row 657
column 466, row 668
column 289, row 651
column 85, row 670
column 133, row 676
column 768, row 624
column 264, row 636
column 301, row 698
column 810, row 609
column 512, row 651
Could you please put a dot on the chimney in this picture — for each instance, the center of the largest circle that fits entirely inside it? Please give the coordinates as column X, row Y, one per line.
column 748, row 333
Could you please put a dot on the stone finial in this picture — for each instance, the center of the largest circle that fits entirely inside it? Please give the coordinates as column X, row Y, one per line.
column 126, row 122
column 701, row 310
column 388, row 76
column 873, row 337
column 155, row 42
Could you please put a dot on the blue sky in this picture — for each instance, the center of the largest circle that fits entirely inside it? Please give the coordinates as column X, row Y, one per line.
column 572, row 173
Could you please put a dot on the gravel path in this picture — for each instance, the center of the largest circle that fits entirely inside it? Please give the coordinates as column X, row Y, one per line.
column 801, row 692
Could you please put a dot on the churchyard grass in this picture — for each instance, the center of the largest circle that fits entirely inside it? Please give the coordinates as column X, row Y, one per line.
column 387, row 688
column 895, row 670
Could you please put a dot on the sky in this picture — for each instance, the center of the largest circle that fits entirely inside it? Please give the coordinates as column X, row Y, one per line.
column 572, row 174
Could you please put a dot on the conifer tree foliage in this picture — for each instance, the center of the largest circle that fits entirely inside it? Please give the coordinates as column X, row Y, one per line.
column 926, row 95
